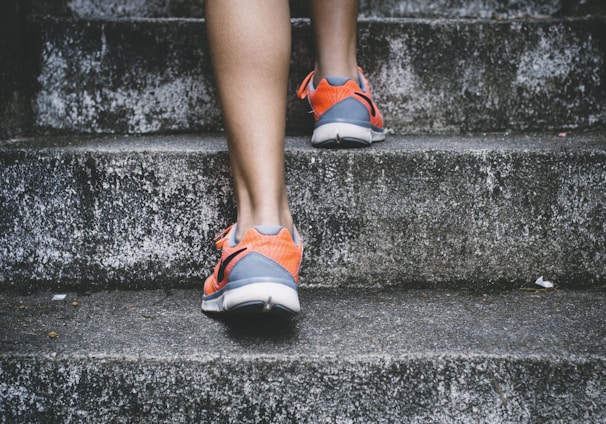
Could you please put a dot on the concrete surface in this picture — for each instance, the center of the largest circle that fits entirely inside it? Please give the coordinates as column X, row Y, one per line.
column 428, row 76
column 484, row 212
column 15, row 107
column 368, row 8
column 351, row 356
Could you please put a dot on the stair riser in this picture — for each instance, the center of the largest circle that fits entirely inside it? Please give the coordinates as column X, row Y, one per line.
column 432, row 217
column 427, row 76
column 368, row 8
column 15, row 107
column 415, row 390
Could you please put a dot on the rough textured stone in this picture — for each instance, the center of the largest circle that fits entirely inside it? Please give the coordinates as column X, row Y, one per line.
column 479, row 8
column 368, row 8
column 483, row 211
column 398, row 356
column 96, row 211
column 436, row 76
column 15, row 110
column 125, row 76
column 445, row 76
column 459, row 8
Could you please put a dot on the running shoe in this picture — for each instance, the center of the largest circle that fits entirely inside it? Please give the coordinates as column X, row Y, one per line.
column 259, row 273
column 344, row 113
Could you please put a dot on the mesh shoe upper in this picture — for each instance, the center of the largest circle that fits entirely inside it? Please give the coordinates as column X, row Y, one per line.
column 263, row 252
column 330, row 93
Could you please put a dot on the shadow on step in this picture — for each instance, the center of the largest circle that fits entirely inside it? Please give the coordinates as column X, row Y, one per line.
column 252, row 328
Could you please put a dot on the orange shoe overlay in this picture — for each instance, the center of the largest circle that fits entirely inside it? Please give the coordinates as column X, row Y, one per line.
column 325, row 96
column 279, row 248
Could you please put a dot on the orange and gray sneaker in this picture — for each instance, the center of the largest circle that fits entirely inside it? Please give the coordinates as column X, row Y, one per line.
column 259, row 273
column 344, row 113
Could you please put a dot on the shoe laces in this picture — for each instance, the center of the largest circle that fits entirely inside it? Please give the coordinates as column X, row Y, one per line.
column 222, row 237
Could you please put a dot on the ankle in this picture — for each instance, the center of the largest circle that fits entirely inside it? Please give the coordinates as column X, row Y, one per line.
column 343, row 72
column 245, row 224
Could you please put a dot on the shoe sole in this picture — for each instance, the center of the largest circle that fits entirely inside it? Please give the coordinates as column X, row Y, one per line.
column 344, row 135
column 255, row 298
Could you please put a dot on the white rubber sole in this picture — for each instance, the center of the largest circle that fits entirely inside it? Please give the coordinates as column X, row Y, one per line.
column 336, row 134
column 256, row 297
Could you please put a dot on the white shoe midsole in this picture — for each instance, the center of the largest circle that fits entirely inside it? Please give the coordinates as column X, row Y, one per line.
column 341, row 130
column 269, row 293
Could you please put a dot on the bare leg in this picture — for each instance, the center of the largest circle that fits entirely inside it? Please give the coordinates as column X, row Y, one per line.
column 335, row 28
column 250, row 48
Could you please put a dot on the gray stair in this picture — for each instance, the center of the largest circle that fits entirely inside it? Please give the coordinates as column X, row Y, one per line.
column 368, row 8
column 377, row 356
column 417, row 284
column 105, row 71
column 438, row 76
column 415, row 211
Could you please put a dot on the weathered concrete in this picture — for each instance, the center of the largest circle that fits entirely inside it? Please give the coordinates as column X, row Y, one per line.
column 479, row 212
column 368, row 8
column 459, row 8
column 464, row 76
column 438, row 76
column 15, row 109
column 125, row 76
column 435, row 357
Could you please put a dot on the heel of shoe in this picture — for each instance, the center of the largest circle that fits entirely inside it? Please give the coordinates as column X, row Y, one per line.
column 261, row 296
column 264, row 296
column 341, row 134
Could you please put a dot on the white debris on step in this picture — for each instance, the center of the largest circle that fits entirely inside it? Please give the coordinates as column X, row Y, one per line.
column 59, row 297
column 544, row 283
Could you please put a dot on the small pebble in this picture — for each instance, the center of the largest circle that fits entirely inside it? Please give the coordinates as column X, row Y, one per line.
column 53, row 335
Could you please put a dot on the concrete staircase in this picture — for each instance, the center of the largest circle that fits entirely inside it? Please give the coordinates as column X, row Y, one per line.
column 421, row 252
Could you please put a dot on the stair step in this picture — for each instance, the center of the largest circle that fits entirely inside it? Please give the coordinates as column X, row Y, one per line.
column 438, row 76
column 368, row 8
column 399, row 356
column 492, row 211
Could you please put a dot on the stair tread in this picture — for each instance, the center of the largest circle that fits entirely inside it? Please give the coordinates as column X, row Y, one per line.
column 203, row 142
column 305, row 21
column 351, row 356
column 335, row 324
